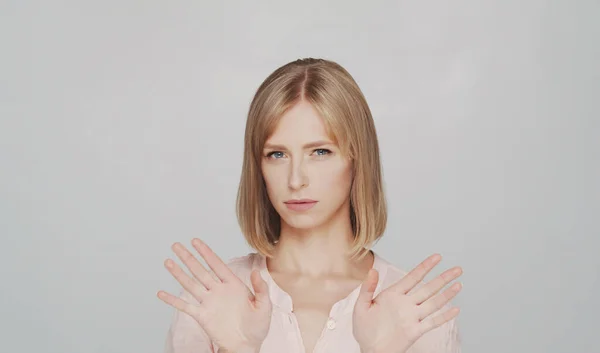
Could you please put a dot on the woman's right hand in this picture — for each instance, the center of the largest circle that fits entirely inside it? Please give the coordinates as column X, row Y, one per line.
column 234, row 318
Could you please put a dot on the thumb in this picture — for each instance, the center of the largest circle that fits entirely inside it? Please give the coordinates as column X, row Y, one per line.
column 261, row 289
column 368, row 289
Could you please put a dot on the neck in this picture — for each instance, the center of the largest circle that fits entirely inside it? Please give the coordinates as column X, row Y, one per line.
column 318, row 252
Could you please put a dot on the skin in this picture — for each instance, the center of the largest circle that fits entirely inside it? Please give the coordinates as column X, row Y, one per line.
column 301, row 161
column 235, row 319
column 402, row 313
column 310, row 262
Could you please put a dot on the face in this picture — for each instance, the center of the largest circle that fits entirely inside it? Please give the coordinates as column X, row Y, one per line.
column 308, row 179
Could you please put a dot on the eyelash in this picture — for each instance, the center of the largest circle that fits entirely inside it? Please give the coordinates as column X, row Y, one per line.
column 270, row 154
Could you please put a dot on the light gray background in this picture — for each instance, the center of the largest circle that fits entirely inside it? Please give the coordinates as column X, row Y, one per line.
column 121, row 127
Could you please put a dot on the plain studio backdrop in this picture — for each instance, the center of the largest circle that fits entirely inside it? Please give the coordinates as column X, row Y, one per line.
column 121, row 130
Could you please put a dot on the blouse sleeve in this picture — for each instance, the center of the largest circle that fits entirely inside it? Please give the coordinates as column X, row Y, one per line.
column 185, row 335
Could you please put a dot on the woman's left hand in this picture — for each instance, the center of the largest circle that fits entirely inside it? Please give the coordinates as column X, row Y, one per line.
column 395, row 319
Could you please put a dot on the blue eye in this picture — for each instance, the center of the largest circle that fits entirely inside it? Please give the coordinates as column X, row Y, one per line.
column 322, row 152
column 275, row 155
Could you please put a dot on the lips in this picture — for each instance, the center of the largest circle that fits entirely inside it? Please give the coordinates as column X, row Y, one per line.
column 300, row 205
column 300, row 201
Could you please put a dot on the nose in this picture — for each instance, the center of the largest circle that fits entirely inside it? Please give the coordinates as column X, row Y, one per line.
column 298, row 178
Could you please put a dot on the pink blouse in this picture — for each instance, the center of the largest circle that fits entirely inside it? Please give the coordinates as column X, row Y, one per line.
column 186, row 336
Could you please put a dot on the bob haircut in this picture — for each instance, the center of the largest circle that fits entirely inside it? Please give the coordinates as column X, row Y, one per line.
column 334, row 94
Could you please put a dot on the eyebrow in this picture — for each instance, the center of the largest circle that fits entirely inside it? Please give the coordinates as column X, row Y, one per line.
column 306, row 146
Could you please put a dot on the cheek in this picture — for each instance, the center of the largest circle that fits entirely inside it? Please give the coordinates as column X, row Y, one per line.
column 336, row 177
column 274, row 178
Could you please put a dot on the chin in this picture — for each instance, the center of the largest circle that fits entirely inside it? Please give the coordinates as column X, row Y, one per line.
column 303, row 222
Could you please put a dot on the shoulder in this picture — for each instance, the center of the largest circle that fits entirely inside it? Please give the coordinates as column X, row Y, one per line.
column 243, row 265
column 388, row 273
column 244, row 262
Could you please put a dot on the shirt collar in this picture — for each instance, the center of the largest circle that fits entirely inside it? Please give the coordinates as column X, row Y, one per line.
column 283, row 301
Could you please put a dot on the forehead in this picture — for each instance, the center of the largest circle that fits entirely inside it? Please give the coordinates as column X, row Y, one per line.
column 300, row 123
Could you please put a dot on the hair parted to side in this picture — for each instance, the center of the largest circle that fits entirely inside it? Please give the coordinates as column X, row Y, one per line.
column 334, row 94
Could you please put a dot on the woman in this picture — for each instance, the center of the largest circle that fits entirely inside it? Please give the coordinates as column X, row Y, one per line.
column 311, row 203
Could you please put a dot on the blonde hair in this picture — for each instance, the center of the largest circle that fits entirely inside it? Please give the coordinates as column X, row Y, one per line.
column 332, row 91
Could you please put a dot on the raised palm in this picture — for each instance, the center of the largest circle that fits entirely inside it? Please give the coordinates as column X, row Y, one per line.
column 397, row 317
column 233, row 317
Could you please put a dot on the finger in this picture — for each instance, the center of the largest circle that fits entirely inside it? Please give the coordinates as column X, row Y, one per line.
column 415, row 276
column 220, row 269
column 192, row 286
column 195, row 267
column 436, row 303
column 175, row 302
column 434, row 286
column 438, row 320
column 261, row 289
column 367, row 290
column 193, row 310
